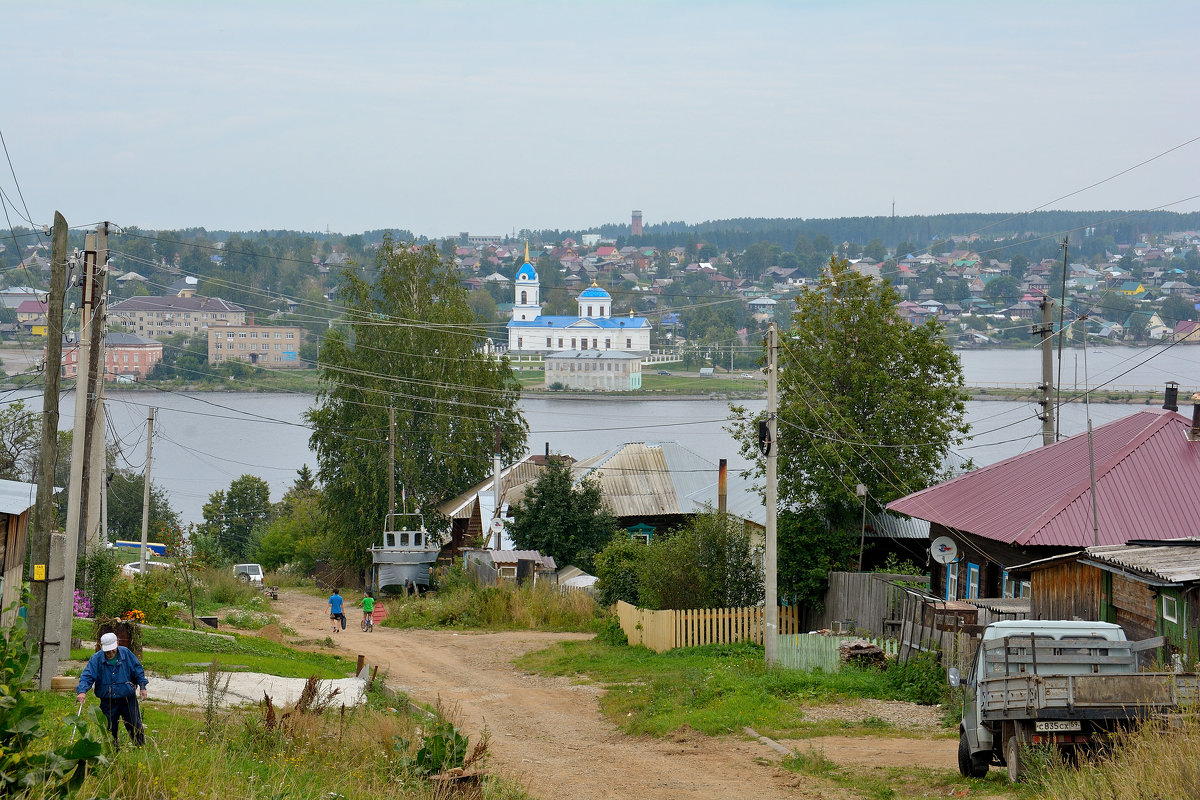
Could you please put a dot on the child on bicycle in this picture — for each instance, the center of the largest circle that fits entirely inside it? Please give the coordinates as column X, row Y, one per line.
column 368, row 607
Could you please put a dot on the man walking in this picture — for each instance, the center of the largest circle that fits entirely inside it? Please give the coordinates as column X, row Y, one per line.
column 116, row 674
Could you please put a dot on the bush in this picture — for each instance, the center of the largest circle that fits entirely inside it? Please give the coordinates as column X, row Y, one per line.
column 617, row 567
column 102, row 576
column 921, row 680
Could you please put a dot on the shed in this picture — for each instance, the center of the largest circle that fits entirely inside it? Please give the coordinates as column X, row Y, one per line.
column 16, row 500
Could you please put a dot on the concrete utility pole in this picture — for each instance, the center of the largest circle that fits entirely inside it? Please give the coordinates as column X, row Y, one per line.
column 1046, row 331
column 391, row 463
column 80, row 441
column 497, row 495
column 1062, row 306
column 146, row 492
column 770, row 450
column 48, row 452
column 94, row 484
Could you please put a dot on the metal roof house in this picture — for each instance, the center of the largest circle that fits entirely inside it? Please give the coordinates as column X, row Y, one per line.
column 1039, row 504
column 16, row 500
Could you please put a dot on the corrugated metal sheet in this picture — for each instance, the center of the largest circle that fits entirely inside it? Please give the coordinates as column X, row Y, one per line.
column 1170, row 564
column 649, row 478
column 1147, row 474
column 17, row 497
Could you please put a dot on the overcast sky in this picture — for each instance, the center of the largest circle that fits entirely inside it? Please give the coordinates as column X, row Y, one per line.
column 494, row 116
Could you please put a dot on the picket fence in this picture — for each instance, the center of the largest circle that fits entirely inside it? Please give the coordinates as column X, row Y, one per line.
column 665, row 630
column 810, row 651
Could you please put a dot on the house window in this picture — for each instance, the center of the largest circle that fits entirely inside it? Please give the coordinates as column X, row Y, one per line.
column 952, row 580
column 560, row 342
column 279, row 336
column 547, row 341
column 524, row 298
column 1170, row 608
column 589, row 311
column 520, row 342
column 1007, row 585
column 291, row 336
column 972, row 581
column 508, row 572
column 241, row 334
column 608, row 344
column 228, row 335
column 629, row 344
column 640, row 538
column 572, row 344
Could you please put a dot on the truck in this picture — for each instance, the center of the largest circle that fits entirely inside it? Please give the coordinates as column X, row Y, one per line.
column 1064, row 683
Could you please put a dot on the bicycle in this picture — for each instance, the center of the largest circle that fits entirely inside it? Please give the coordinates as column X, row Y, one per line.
column 368, row 623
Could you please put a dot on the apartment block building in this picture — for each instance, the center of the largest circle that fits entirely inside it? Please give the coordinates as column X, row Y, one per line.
column 127, row 357
column 162, row 316
column 264, row 345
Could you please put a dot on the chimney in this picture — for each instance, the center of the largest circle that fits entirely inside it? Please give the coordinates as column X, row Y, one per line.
column 251, row 318
column 722, row 485
column 1194, row 433
column 1171, row 396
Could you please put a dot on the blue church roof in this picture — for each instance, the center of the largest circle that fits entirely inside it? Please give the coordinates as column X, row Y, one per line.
column 527, row 272
column 595, row 291
column 615, row 323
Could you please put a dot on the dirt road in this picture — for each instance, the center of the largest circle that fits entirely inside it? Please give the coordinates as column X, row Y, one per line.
column 545, row 731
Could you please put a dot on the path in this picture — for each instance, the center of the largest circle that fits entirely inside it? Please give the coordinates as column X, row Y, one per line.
column 545, row 731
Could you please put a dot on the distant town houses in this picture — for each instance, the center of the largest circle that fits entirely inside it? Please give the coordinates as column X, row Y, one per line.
column 128, row 357
column 161, row 316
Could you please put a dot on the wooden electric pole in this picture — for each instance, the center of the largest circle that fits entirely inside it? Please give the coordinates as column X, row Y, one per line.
column 39, row 542
column 771, row 450
column 146, row 492
column 1046, row 387
column 94, row 449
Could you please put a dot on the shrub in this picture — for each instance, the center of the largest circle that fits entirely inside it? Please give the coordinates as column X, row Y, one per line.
column 617, row 568
column 102, row 574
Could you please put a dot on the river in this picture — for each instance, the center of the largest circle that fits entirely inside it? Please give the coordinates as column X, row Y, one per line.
column 203, row 440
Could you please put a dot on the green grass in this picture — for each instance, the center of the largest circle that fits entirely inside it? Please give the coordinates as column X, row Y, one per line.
column 893, row 783
column 718, row 689
column 169, row 651
column 462, row 603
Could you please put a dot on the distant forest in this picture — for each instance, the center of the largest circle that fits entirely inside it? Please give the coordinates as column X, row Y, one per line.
column 737, row 234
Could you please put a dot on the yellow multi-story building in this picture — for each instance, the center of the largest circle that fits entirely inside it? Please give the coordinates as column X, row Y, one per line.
column 264, row 345
column 162, row 316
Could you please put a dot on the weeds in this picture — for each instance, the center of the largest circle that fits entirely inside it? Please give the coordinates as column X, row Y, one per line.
column 461, row 602
column 212, row 694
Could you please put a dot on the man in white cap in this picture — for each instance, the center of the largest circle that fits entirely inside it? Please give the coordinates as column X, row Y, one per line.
column 117, row 675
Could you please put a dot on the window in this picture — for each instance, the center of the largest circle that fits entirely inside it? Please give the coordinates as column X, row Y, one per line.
column 589, row 311
column 520, row 343
column 608, row 344
column 560, row 342
column 218, row 345
column 640, row 538
column 1170, row 608
column 572, row 344
column 390, row 540
column 508, row 572
column 629, row 344
column 279, row 336
column 241, row 334
column 253, row 334
column 291, row 336
column 547, row 341
column 952, row 580
column 972, row 581
column 228, row 335
column 524, row 298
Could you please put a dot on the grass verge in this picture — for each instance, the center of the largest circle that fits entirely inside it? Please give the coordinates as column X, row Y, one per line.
column 172, row 651
column 462, row 603
column 892, row 783
column 719, row 689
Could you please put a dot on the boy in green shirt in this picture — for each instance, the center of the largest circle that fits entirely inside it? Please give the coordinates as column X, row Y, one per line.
column 368, row 607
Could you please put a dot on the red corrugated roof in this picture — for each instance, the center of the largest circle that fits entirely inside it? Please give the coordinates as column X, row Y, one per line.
column 1147, row 486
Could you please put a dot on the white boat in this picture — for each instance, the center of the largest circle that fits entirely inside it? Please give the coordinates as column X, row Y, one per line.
column 403, row 561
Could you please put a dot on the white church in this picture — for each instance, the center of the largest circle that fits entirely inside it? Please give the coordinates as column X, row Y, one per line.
column 529, row 331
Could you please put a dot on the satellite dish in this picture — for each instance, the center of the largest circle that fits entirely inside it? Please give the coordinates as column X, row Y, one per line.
column 943, row 549
column 497, row 525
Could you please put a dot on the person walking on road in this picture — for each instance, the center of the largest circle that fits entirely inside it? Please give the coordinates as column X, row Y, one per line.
column 335, row 611
column 118, row 678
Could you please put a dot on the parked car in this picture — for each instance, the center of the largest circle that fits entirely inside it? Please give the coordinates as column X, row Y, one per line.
column 134, row 567
column 249, row 573
column 663, row 372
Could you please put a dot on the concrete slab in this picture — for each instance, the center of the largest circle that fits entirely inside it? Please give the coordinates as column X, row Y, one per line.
column 249, row 687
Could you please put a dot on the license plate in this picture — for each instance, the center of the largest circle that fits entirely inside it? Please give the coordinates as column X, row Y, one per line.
column 1058, row 725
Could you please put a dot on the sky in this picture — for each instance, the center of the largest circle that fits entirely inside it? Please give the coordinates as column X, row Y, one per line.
column 492, row 117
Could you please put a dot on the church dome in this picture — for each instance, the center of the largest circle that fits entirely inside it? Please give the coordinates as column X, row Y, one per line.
column 527, row 272
column 595, row 292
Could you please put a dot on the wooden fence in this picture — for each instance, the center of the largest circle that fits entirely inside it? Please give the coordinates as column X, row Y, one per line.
column 810, row 651
column 665, row 630
column 867, row 602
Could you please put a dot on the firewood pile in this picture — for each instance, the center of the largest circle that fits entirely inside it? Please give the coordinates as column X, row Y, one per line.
column 862, row 653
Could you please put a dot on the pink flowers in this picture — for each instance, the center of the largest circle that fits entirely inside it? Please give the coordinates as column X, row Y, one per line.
column 83, row 606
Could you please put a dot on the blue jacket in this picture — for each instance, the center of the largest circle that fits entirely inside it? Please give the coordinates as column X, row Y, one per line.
column 113, row 679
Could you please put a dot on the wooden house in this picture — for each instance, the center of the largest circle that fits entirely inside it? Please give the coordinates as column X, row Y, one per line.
column 1147, row 587
column 1039, row 504
column 16, row 501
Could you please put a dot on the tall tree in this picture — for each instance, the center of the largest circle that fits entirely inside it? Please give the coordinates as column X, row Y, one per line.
column 408, row 342
column 19, row 441
column 237, row 516
column 864, row 397
column 561, row 519
column 126, row 491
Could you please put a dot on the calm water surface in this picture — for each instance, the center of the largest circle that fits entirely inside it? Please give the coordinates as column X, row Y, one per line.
column 204, row 440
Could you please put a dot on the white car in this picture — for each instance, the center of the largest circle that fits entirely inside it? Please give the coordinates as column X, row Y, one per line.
column 250, row 573
column 134, row 567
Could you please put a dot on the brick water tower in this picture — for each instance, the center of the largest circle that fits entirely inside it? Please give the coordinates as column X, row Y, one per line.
column 637, row 224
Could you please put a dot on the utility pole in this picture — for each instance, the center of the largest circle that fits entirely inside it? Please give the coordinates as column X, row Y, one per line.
column 146, row 492
column 48, row 453
column 96, row 484
column 1062, row 306
column 770, row 450
column 77, row 494
column 391, row 462
column 496, row 494
column 1046, row 387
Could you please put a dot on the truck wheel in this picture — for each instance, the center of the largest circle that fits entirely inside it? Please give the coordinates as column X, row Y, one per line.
column 1012, row 757
column 970, row 766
